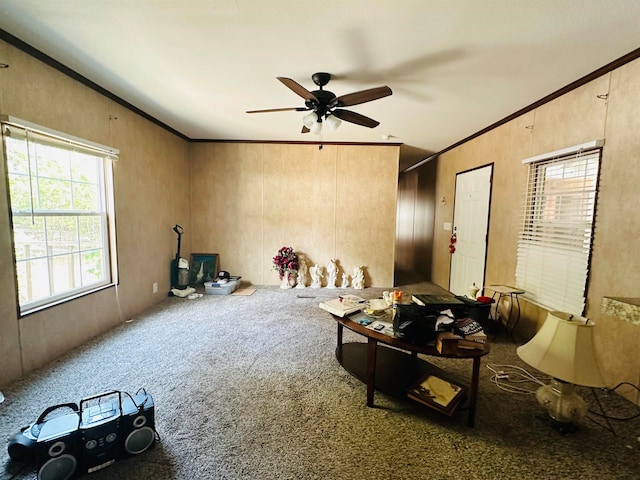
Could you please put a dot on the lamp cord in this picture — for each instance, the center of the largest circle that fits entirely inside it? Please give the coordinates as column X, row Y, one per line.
column 602, row 413
column 505, row 377
column 610, row 390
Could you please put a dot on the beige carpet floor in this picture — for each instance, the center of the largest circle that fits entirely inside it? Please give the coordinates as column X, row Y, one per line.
column 248, row 387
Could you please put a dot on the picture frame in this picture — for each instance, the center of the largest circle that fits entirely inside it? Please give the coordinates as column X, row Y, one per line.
column 438, row 393
column 203, row 268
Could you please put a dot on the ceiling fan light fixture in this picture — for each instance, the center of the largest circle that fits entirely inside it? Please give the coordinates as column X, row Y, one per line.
column 333, row 122
column 316, row 128
column 309, row 120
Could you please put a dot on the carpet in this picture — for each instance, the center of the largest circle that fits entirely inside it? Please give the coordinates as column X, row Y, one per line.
column 251, row 389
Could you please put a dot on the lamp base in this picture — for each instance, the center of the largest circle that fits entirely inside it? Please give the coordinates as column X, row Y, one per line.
column 560, row 400
column 560, row 427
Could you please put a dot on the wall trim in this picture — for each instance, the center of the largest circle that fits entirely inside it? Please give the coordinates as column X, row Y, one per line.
column 46, row 59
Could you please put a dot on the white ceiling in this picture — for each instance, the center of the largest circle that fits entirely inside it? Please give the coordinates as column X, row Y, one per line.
column 455, row 66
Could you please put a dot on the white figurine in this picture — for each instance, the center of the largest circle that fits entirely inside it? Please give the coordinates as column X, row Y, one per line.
column 302, row 273
column 387, row 297
column 345, row 281
column 358, row 277
column 316, row 276
column 332, row 272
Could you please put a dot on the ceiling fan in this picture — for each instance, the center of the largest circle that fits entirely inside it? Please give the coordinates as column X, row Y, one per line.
column 325, row 106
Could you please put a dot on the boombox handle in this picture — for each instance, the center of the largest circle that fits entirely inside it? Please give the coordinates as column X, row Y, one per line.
column 112, row 392
column 48, row 410
column 100, row 395
column 146, row 397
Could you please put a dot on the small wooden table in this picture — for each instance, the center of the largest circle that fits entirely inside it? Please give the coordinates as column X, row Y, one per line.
column 391, row 370
column 513, row 293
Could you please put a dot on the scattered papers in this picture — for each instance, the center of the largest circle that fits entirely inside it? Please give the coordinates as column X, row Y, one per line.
column 383, row 327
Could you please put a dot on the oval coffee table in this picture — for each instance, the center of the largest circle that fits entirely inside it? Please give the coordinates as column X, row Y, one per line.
column 392, row 370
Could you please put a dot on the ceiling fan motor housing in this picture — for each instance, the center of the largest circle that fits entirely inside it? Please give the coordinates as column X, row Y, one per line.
column 321, row 107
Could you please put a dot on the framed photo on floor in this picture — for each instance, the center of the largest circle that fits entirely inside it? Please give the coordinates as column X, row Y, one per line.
column 203, row 268
column 438, row 393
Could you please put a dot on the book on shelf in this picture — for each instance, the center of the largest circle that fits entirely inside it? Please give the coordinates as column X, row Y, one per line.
column 341, row 307
column 438, row 393
column 430, row 299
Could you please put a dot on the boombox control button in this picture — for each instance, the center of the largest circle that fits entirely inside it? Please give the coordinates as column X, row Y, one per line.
column 111, row 437
column 91, row 444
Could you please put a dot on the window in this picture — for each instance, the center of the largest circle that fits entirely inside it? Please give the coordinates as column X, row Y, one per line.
column 62, row 216
column 555, row 240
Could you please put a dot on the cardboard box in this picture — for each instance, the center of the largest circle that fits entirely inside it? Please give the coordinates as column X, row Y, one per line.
column 447, row 343
column 213, row 288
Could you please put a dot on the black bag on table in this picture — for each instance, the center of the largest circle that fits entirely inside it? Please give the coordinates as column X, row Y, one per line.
column 415, row 323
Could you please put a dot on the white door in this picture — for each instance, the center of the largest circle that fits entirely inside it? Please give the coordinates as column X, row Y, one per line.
column 471, row 223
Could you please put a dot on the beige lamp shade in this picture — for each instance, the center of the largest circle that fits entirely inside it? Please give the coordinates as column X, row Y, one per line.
column 563, row 348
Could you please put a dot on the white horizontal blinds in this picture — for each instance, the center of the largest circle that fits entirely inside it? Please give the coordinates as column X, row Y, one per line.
column 18, row 128
column 554, row 245
column 62, row 175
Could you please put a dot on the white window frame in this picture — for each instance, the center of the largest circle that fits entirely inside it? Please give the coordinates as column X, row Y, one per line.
column 76, row 266
column 556, row 234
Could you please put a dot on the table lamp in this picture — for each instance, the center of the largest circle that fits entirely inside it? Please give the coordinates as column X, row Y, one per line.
column 563, row 349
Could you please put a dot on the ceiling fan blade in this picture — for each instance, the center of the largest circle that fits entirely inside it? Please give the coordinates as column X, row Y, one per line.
column 296, row 109
column 356, row 118
column 297, row 88
column 362, row 96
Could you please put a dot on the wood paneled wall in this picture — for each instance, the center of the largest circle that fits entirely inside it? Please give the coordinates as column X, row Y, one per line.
column 250, row 199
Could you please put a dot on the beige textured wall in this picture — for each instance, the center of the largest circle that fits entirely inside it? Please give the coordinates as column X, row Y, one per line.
column 248, row 200
column 574, row 118
column 151, row 185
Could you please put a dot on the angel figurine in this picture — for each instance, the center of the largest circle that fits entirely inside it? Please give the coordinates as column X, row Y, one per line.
column 316, row 276
column 302, row 273
column 358, row 277
column 332, row 272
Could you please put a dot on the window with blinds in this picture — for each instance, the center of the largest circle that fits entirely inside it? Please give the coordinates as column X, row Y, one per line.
column 61, row 212
column 554, row 246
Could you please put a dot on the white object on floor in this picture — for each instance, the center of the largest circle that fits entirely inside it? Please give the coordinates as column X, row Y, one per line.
column 183, row 293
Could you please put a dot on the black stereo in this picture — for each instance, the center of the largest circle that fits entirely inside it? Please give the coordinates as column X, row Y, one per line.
column 67, row 439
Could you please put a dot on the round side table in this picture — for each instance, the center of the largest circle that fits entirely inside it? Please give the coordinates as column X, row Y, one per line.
column 501, row 291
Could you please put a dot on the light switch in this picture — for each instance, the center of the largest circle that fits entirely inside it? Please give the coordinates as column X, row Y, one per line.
column 447, row 226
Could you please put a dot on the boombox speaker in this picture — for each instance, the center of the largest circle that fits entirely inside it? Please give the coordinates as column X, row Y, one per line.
column 87, row 438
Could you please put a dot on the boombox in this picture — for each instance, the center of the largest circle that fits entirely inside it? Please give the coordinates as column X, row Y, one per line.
column 67, row 439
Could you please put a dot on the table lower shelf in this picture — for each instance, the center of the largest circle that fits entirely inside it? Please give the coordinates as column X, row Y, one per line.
column 395, row 369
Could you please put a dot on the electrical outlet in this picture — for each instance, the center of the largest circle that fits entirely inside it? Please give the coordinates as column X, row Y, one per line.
column 155, row 287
